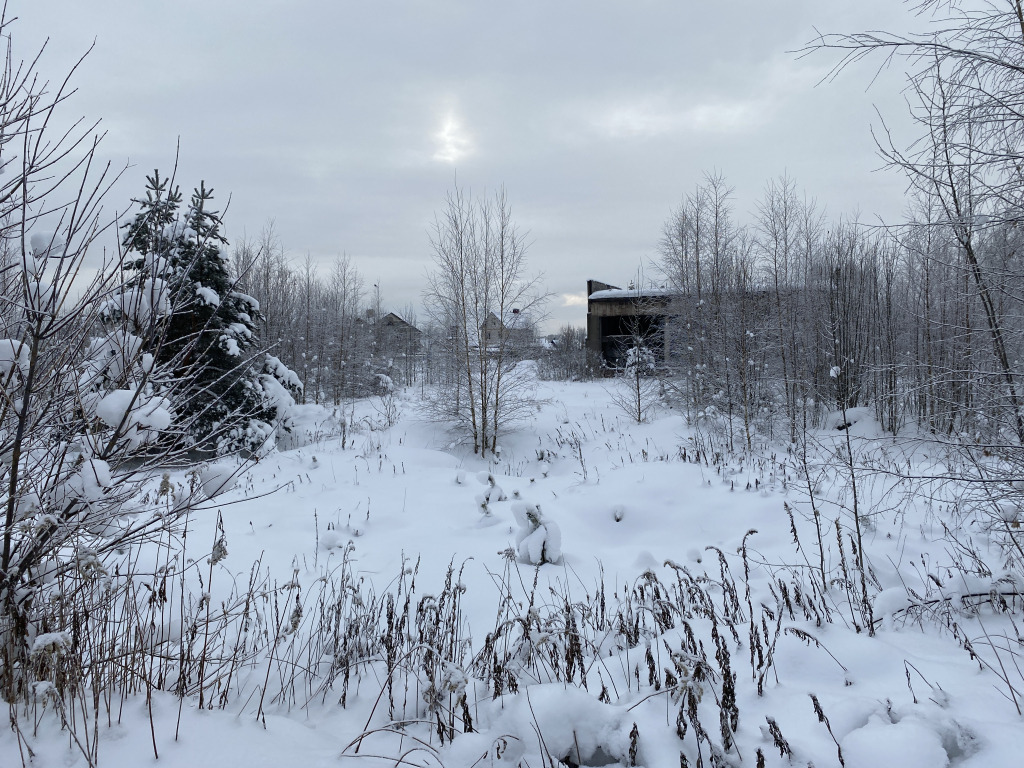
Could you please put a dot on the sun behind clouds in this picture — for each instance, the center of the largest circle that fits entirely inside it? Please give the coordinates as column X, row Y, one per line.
column 452, row 141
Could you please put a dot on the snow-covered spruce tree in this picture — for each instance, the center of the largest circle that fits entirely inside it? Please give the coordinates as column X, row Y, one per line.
column 228, row 402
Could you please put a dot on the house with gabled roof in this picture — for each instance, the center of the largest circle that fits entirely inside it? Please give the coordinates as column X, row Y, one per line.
column 516, row 329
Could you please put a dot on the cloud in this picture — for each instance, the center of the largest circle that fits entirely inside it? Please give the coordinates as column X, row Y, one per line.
column 574, row 299
column 344, row 122
column 739, row 103
column 653, row 117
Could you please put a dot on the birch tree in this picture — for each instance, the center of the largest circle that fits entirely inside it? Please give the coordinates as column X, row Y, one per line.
column 479, row 277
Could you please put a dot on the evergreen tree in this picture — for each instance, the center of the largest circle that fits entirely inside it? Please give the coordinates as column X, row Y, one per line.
column 208, row 335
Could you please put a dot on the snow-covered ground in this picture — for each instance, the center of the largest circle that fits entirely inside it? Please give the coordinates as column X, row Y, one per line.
column 678, row 567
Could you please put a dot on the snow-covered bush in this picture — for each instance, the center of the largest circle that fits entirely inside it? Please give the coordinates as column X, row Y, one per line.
column 385, row 403
column 492, row 493
column 142, row 417
column 539, row 539
column 639, row 361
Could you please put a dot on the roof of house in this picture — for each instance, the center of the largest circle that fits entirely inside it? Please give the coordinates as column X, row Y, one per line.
column 631, row 293
column 514, row 320
column 392, row 320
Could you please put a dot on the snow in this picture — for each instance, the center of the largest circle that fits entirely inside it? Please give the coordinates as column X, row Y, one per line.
column 907, row 744
column 40, row 243
column 109, row 358
column 84, row 486
column 246, row 299
column 207, row 295
column 216, row 479
column 143, row 416
column 847, row 418
column 13, row 356
column 571, row 723
column 891, row 601
column 230, row 346
column 539, row 539
column 141, row 302
column 239, row 330
column 113, row 407
column 282, row 373
column 596, row 499
column 42, row 247
column 50, row 642
column 143, row 412
column 40, row 295
column 631, row 293
column 275, row 395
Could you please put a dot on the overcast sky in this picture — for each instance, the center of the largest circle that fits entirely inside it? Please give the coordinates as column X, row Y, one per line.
column 346, row 123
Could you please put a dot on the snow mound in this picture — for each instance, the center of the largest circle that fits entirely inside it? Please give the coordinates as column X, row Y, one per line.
column 215, row 479
column 844, row 420
column 908, row 744
column 574, row 727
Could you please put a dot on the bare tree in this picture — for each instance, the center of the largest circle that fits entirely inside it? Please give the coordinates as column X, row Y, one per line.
column 317, row 324
column 407, row 343
column 566, row 359
column 696, row 261
column 849, row 331
column 966, row 97
column 779, row 217
column 479, row 279
column 345, row 297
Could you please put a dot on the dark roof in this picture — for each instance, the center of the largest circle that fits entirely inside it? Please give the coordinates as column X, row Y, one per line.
column 391, row 320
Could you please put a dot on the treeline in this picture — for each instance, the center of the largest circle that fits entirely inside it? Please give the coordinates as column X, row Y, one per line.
column 780, row 321
column 335, row 329
column 328, row 325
